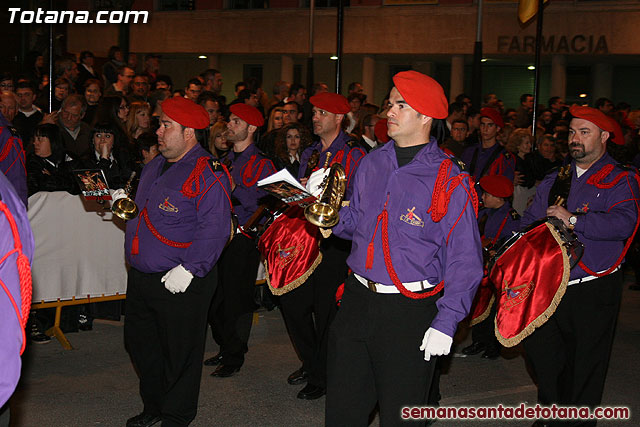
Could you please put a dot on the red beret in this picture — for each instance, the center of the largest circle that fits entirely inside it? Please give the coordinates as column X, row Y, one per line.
column 331, row 102
column 617, row 137
column 380, row 131
column 422, row 93
column 186, row 112
column 249, row 114
column 593, row 115
column 492, row 113
column 497, row 185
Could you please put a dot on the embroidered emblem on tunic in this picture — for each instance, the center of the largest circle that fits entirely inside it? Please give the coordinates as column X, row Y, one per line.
column 584, row 208
column 167, row 207
column 412, row 218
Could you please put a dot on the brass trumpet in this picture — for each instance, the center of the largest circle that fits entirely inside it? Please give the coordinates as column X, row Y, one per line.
column 324, row 212
column 126, row 208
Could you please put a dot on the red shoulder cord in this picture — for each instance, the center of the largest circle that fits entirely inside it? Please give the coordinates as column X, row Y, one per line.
column 135, row 244
column 596, row 180
column 24, row 274
column 194, row 178
column 502, row 224
column 7, row 148
column 250, row 173
column 442, row 206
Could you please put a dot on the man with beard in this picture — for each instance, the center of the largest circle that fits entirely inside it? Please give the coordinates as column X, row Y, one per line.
column 309, row 309
column 172, row 248
column 570, row 352
column 231, row 311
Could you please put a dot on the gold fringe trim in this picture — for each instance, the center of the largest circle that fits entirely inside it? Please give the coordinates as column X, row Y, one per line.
column 540, row 320
column 296, row 283
column 484, row 314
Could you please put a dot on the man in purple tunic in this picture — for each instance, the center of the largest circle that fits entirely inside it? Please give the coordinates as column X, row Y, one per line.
column 12, row 158
column 570, row 352
column 12, row 315
column 309, row 309
column 414, row 231
column 231, row 312
column 172, row 247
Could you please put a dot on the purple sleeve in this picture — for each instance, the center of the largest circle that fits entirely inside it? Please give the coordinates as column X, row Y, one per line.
column 353, row 158
column 622, row 212
column 538, row 208
column 212, row 229
column 348, row 214
column 463, row 267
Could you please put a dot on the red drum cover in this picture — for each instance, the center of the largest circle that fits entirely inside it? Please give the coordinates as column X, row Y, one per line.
column 290, row 248
column 531, row 277
column 485, row 296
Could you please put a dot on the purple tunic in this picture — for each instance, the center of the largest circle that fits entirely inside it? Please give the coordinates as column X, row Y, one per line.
column 204, row 220
column 247, row 168
column 12, row 161
column 606, row 217
column 348, row 156
column 418, row 246
column 499, row 166
column 10, row 327
column 495, row 217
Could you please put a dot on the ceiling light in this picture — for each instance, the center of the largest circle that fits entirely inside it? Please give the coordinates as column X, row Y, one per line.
column 202, row 57
column 333, row 57
column 531, row 67
column 583, row 95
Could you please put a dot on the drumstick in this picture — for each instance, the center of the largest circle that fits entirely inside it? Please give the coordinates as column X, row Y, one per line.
column 559, row 201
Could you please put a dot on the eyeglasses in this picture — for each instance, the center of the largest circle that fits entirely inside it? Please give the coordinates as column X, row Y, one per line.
column 6, row 85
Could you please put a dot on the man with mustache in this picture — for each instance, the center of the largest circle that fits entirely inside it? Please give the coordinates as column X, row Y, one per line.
column 570, row 352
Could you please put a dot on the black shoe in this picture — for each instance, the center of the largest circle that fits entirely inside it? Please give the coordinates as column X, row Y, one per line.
column 213, row 361
column 491, row 353
column 298, row 377
column 224, row 371
column 143, row 420
column 475, row 348
column 84, row 322
column 37, row 336
column 311, row 392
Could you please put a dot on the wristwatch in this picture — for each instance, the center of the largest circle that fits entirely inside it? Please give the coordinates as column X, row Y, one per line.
column 573, row 220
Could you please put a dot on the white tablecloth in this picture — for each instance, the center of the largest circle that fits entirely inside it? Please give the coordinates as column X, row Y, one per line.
column 78, row 253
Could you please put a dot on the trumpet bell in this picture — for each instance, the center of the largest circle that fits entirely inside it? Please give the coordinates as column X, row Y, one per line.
column 125, row 209
column 322, row 214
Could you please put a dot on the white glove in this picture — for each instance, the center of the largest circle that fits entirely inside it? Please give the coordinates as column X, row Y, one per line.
column 435, row 343
column 118, row 194
column 314, row 183
column 177, row 279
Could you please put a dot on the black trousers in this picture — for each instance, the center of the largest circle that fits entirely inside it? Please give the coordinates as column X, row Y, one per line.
column 309, row 309
column 484, row 332
column 165, row 336
column 231, row 312
column 374, row 356
column 570, row 352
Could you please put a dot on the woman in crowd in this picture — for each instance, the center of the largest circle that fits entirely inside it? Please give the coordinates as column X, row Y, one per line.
column 520, row 143
column 138, row 120
column 49, row 167
column 218, row 145
column 290, row 142
column 275, row 123
column 108, row 155
column 92, row 94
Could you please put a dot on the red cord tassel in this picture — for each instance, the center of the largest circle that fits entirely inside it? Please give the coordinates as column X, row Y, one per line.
column 370, row 251
column 135, row 246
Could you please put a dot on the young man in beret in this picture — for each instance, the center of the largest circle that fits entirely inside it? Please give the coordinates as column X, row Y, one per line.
column 172, row 248
column 416, row 261
column 488, row 157
column 233, row 305
column 309, row 309
column 570, row 352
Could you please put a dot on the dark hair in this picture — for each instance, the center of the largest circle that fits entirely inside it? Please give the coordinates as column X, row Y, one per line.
column 194, row 81
column 358, row 96
column 164, row 78
column 209, row 74
column 600, row 102
column 460, row 98
column 90, row 82
column 53, row 133
column 456, row 107
column 239, row 84
column 553, row 100
column 281, row 139
column 245, row 94
column 295, row 89
column 524, row 97
column 352, row 86
column 294, row 103
column 62, row 81
column 106, row 127
column 206, row 96
column 108, row 110
column 86, row 54
column 112, row 52
column 464, row 122
column 145, row 141
column 26, row 84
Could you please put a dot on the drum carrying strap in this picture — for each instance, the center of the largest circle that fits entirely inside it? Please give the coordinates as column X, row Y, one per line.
column 561, row 187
